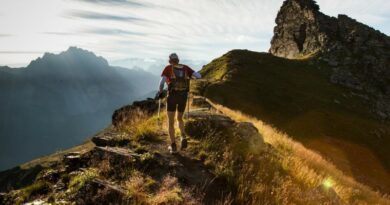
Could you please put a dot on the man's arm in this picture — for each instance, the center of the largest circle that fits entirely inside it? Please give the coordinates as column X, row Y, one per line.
column 196, row 75
column 162, row 83
column 192, row 73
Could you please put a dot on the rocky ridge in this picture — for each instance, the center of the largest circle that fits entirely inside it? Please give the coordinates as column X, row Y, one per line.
column 226, row 162
column 358, row 55
column 103, row 175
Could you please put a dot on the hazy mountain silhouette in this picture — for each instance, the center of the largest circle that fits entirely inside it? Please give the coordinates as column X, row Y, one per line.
column 59, row 100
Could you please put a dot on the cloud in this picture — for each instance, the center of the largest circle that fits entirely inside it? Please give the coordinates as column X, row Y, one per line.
column 59, row 33
column 117, row 2
column 196, row 29
column 102, row 16
column 114, row 32
column 4, row 35
column 22, row 52
column 375, row 13
column 132, row 4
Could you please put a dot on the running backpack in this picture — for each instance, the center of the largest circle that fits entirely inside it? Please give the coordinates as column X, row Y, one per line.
column 180, row 81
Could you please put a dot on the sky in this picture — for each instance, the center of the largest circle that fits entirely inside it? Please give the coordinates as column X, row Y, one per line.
column 122, row 30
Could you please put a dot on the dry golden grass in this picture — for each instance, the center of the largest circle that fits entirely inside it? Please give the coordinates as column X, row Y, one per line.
column 307, row 168
column 105, row 168
column 169, row 192
column 142, row 126
column 142, row 189
column 297, row 98
column 138, row 188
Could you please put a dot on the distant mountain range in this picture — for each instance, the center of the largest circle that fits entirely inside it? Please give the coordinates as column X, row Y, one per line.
column 59, row 100
column 154, row 64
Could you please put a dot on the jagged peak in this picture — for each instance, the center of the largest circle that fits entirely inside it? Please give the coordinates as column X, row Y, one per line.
column 74, row 52
column 302, row 30
column 75, row 49
column 304, row 4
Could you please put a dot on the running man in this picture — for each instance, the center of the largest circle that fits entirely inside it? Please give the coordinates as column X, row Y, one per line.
column 177, row 77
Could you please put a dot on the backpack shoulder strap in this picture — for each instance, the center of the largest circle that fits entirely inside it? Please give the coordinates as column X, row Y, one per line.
column 173, row 75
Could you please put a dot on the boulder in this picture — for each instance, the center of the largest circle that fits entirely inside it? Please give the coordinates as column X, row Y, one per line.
column 103, row 140
column 212, row 117
column 50, row 175
column 115, row 154
column 200, row 102
column 116, row 160
column 249, row 135
column 109, row 138
column 73, row 161
column 247, row 132
column 202, row 122
column 205, row 124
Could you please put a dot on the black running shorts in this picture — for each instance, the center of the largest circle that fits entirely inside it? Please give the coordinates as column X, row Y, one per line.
column 177, row 100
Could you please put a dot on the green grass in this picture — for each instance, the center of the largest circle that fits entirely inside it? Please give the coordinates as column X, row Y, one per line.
column 142, row 127
column 25, row 194
column 78, row 181
column 296, row 97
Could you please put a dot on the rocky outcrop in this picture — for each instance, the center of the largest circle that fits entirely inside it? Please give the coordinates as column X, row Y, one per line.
column 109, row 138
column 148, row 106
column 99, row 191
column 102, row 174
column 224, row 162
column 200, row 102
column 120, row 157
column 18, row 177
column 358, row 55
column 301, row 29
column 235, row 132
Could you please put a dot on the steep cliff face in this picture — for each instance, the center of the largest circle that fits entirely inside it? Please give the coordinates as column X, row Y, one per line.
column 301, row 29
column 358, row 55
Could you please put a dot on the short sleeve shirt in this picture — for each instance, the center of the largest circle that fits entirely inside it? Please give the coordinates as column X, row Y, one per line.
column 167, row 72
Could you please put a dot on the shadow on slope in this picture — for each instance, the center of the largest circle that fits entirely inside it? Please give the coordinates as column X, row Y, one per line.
column 296, row 97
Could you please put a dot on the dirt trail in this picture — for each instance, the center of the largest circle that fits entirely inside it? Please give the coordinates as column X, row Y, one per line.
column 190, row 171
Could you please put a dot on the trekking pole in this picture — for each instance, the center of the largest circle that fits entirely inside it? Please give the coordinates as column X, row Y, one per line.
column 159, row 106
column 188, row 106
column 158, row 95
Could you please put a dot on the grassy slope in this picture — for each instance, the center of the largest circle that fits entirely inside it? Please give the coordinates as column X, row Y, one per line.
column 285, row 173
column 297, row 98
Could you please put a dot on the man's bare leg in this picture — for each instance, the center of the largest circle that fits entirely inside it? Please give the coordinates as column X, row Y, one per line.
column 181, row 123
column 171, row 126
column 181, row 126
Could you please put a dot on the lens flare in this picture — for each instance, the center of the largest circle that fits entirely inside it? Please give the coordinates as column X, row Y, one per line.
column 328, row 183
